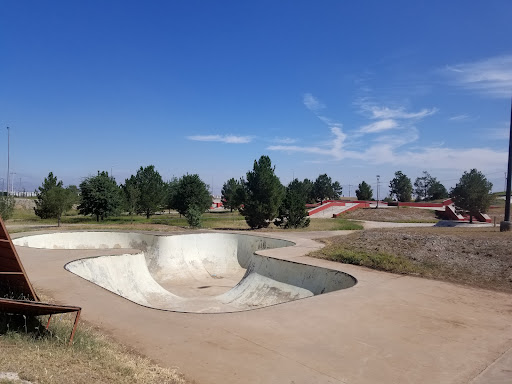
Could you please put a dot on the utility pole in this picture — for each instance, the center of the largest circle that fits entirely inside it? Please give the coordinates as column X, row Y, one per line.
column 12, row 182
column 505, row 225
column 378, row 181
column 8, row 158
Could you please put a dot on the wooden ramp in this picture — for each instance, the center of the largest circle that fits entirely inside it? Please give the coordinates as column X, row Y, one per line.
column 17, row 295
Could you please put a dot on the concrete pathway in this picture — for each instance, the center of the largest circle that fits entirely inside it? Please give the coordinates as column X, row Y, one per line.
column 387, row 329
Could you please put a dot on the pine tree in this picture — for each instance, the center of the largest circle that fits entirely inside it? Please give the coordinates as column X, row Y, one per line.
column 263, row 194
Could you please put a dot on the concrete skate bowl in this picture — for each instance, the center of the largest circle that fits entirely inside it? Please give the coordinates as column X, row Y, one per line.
column 197, row 273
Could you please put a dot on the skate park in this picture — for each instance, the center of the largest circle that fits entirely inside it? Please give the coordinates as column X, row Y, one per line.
column 368, row 327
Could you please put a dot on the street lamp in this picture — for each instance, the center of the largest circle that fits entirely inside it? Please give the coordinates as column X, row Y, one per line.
column 506, row 225
column 378, row 180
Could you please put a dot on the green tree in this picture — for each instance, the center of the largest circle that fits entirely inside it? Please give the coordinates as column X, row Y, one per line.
column 436, row 190
column 337, row 190
column 43, row 207
column 322, row 188
column 264, row 194
column 60, row 200
column 151, row 189
column 428, row 188
column 472, row 193
column 421, row 186
column 192, row 193
column 131, row 195
column 6, row 206
column 230, row 194
column 364, row 191
column 309, row 187
column 401, row 187
column 53, row 200
column 100, row 196
column 171, row 188
column 193, row 216
column 293, row 213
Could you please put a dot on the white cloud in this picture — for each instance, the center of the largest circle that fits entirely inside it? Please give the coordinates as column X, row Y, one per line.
column 333, row 149
column 396, row 149
column 492, row 76
column 460, row 118
column 312, row 103
column 379, row 126
column 228, row 139
column 377, row 112
column 284, row 140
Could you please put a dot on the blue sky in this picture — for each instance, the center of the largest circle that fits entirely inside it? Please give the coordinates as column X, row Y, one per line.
column 351, row 89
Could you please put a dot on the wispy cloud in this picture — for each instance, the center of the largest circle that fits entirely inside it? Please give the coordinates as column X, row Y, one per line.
column 377, row 112
column 312, row 103
column 386, row 146
column 492, row 76
column 228, row 139
column 334, row 148
column 379, row 126
column 460, row 118
column 284, row 140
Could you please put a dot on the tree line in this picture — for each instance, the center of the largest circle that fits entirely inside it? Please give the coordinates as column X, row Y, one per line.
column 259, row 197
column 144, row 193
column 262, row 199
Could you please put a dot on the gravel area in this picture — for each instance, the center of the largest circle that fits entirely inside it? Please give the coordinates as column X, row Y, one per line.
column 480, row 257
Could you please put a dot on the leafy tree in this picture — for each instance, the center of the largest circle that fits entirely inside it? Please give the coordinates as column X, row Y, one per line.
column 6, row 206
column 472, row 193
column 60, row 200
column 53, row 199
column 170, row 194
column 364, row 191
column 231, row 195
column 421, row 186
column 74, row 193
column 264, row 194
column 131, row 195
column 151, row 189
column 42, row 208
column 192, row 193
column 428, row 188
column 401, row 187
column 308, row 187
column 193, row 216
column 337, row 190
column 324, row 188
column 293, row 213
column 100, row 196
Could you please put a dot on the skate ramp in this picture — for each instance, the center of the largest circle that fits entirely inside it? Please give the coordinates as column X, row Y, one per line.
column 199, row 273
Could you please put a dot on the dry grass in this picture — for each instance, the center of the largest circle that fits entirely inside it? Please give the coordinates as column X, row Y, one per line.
column 396, row 215
column 44, row 357
column 479, row 257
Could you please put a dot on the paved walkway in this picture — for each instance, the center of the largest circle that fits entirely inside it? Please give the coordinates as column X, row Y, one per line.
column 387, row 329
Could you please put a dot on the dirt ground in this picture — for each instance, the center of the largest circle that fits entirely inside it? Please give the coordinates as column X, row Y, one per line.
column 401, row 215
column 480, row 257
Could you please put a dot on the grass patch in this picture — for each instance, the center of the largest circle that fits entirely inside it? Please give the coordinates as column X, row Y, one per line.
column 43, row 356
column 164, row 221
column 377, row 260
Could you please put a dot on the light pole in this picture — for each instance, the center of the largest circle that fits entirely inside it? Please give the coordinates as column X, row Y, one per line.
column 8, row 158
column 378, row 180
column 12, row 183
column 506, row 225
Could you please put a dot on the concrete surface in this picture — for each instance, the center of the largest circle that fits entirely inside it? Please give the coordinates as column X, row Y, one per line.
column 202, row 273
column 386, row 329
